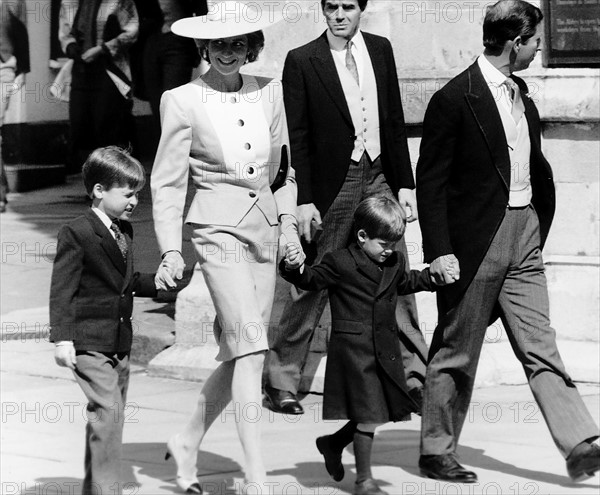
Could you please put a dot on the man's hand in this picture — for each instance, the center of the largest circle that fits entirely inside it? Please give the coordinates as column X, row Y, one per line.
column 170, row 269
column 445, row 269
column 307, row 213
column 294, row 257
column 408, row 200
column 64, row 355
column 92, row 54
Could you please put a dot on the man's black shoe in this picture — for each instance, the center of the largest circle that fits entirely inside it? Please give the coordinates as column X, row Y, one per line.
column 446, row 468
column 333, row 458
column 282, row 401
column 584, row 461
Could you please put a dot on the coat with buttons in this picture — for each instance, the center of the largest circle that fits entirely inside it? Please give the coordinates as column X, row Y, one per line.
column 230, row 145
column 364, row 377
column 92, row 287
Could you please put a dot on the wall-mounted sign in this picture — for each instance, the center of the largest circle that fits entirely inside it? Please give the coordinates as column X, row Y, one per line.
column 572, row 36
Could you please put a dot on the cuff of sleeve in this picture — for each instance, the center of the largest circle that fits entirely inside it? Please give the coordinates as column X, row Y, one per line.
column 72, row 51
column 162, row 257
column 285, row 218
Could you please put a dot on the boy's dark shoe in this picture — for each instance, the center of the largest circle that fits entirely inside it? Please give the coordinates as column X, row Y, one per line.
column 333, row 458
column 368, row 487
column 583, row 461
column 282, row 401
column 445, row 467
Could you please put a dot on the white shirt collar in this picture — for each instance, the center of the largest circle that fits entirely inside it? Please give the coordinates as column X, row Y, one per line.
column 104, row 218
column 491, row 75
column 338, row 44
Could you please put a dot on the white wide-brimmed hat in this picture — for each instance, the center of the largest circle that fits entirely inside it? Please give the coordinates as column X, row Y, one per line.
column 227, row 18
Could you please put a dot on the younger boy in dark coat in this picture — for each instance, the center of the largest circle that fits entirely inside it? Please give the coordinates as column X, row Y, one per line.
column 364, row 378
column 91, row 302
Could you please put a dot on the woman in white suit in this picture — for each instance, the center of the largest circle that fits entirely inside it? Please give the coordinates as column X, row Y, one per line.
column 228, row 132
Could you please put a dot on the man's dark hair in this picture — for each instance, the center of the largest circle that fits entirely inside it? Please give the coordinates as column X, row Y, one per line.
column 507, row 19
column 256, row 42
column 381, row 218
column 112, row 167
column 361, row 3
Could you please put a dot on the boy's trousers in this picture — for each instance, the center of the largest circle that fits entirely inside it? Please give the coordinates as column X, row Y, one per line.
column 104, row 378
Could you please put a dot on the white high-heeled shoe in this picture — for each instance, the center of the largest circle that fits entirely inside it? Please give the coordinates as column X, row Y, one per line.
column 187, row 482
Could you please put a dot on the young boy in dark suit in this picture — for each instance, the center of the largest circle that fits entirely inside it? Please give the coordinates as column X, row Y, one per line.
column 364, row 378
column 91, row 302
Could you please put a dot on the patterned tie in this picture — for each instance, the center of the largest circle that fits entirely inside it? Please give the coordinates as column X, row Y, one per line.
column 515, row 97
column 351, row 63
column 120, row 238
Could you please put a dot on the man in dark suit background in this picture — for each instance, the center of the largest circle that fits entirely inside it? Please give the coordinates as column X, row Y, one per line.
column 348, row 142
column 486, row 198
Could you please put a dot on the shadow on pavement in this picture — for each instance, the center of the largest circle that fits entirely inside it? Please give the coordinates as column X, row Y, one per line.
column 472, row 457
column 147, row 459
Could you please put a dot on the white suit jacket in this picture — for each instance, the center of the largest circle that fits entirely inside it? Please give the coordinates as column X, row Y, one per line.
column 230, row 144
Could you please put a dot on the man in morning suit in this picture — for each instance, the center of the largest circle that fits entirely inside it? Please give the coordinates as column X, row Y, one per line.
column 486, row 198
column 348, row 142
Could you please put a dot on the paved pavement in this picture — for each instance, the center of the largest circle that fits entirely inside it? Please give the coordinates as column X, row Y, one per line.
column 505, row 439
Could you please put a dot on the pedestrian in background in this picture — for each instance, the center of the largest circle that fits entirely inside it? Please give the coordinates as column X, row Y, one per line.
column 14, row 64
column 348, row 142
column 97, row 35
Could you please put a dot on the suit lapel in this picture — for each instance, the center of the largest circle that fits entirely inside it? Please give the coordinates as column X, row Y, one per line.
column 378, row 63
column 107, row 242
column 482, row 104
column 367, row 267
column 324, row 65
column 533, row 122
column 530, row 112
column 390, row 270
column 364, row 265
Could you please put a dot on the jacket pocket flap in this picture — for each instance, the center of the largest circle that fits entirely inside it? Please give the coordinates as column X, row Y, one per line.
column 348, row 326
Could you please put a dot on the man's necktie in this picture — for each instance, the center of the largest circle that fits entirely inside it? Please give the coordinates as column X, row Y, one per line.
column 120, row 238
column 515, row 97
column 351, row 62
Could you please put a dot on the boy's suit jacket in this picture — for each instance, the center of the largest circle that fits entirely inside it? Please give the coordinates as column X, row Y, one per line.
column 463, row 175
column 364, row 329
column 318, row 116
column 92, row 288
